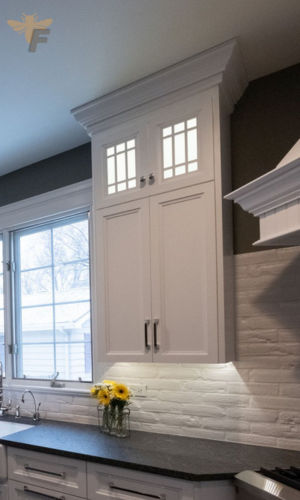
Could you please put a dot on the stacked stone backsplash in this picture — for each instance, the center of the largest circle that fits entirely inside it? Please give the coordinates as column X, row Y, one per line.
column 254, row 400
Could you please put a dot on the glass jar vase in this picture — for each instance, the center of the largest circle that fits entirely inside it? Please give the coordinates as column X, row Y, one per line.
column 114, row 421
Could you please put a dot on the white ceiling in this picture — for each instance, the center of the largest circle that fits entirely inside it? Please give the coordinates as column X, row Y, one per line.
column 97, row 46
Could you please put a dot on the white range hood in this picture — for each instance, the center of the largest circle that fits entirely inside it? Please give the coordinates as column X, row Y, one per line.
column 275, row 199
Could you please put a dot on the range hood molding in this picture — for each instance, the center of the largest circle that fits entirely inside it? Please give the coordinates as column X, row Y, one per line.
column 275, row 199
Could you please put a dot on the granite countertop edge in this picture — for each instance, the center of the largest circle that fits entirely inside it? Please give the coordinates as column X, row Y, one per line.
column 118, row 463
column 179, row 457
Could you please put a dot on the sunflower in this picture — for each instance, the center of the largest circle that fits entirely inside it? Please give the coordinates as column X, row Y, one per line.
column 103, row 396
column 120, row 391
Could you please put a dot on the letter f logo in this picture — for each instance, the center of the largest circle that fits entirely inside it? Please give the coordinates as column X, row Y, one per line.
column 37, row 39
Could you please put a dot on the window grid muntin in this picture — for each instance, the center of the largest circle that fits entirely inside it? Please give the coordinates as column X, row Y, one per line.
column 128, row 149
column 15, row 237
column 172, row 131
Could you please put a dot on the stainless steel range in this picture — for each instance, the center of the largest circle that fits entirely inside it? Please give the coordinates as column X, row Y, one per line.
column 266, row 484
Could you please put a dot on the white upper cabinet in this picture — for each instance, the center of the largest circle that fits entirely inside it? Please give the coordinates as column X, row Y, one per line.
column 163, row 236
column 168, row 148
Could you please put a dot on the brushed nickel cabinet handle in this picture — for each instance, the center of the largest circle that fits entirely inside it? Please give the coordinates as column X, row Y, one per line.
column 142, row 178
column 27, row 490
column 136, row 492
column 147, row 321
column 59, row 474
column 155, row 323
column 151, row 177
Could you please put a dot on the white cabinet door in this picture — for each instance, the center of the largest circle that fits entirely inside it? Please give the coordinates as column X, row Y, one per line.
column 184, row 283
column 181, row 143
column 115, row 483
column 181, row 325
column 123, row 280
column 120, row 161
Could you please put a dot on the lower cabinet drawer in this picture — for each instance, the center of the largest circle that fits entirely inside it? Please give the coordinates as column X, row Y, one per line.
column 115, row 483
column 56, row 473
column 24, row 491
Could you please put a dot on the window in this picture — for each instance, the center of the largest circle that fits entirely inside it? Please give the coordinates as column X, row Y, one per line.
column 45, row 302
column 180, row 152
column 121, row 167
column 51, row 291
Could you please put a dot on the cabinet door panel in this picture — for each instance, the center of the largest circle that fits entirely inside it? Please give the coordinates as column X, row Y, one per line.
column 120, row 159
column 123, row 256
column 184, row 290
column 181, row 143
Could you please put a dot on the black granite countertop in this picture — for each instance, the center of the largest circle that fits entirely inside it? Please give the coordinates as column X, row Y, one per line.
column 174, row 456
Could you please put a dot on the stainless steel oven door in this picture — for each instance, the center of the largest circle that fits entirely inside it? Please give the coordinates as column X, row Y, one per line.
column 251, row 485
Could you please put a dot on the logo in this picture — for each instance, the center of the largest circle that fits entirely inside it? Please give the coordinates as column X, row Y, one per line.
column 32, row 29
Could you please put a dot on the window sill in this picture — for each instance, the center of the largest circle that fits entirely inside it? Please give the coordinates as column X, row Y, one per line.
column 67, row 391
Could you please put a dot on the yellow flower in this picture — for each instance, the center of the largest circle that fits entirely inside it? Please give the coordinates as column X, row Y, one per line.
column 121, row 391
column 103, row 396
column 94, row 391
column 108, row 382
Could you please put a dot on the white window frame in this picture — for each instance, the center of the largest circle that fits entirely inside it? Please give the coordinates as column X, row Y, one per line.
column 55, row 204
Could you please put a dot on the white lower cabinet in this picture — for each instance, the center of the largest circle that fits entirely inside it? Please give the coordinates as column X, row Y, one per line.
column 39, row 476
column 115, row 483
column 30, row 473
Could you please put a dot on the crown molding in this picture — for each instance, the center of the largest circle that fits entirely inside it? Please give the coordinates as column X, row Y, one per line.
column 275, row 199
column 221, row 65
column 66, row 199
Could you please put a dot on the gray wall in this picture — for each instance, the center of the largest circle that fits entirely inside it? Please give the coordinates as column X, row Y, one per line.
column 264, row 126
column 58, row 171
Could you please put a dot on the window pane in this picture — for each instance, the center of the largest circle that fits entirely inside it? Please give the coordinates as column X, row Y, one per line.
column 36, row 287
column 79, row 355
column 179, row 149
column 168, row 158
column 72, row 282
column 71, row 317
column 179, row 127
column 131, row 163
column 192, row 145
column 111, row 178
column 52, row 302
column 121, row 167
column 37, row 324
column 38, row 361
column 35, row 250
column 70, row 242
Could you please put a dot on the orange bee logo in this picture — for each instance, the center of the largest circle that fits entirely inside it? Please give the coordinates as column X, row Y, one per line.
column 28, row 25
